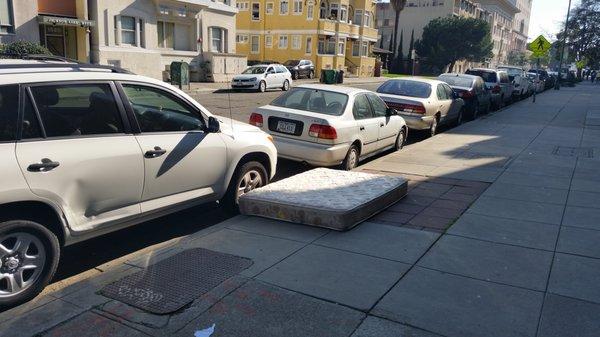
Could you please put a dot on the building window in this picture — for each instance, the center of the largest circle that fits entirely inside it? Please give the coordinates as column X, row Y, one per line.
column 308, row 49
column 344, row 13
column 255, row 11
column 127, row 30
column 254, row 44
column 217, row 39
column 297, row 7
column 365, row 49
column 326, row 46
column 283, row 41
column 241, row 38
column 283, row 7
column 367, row 19
column 358, row 14
column 333, row 11
column 341, row 46
column 163, row 10
column 323, row 10
column 269, row 41
column 6, row 17
column 242, row 6
column 269, row 8
column 310, row 8
column 296, row 44
column 166, row 34
column 356, row 48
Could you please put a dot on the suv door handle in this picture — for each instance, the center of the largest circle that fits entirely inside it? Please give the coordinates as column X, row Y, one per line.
column 361, row 128
column 157, row 152
column 45, row 165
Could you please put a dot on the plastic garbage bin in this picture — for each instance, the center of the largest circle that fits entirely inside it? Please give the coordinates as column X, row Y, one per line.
column 340, row 76
column 329, row 76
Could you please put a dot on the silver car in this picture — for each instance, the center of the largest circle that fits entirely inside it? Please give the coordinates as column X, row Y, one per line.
column 498, row 83
column 87, row 150
column 424, row 104
column 330, row 125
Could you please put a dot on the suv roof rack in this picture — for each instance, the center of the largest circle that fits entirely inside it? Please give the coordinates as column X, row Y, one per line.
column 66, row 63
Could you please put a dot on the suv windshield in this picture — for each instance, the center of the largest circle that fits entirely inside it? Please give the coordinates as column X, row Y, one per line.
column 511, row 71
column 457, row 81
column 255, row 70
column 488, row 76
column 314, row 100
column 405, row 88
column 291, row 62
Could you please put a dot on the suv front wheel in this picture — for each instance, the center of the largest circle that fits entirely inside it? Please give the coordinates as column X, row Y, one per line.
column 29, row 255
column 246, row 178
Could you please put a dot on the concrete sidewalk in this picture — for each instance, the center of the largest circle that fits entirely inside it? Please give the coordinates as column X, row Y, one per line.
column 454, row 258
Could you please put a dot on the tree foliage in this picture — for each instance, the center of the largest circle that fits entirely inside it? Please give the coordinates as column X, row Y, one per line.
column 583, row 32
column 23, row 47
column 450, row 39
column 517, row 58
column 398, row 6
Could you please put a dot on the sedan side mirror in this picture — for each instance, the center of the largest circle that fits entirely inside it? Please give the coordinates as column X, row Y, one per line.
column 213, row 125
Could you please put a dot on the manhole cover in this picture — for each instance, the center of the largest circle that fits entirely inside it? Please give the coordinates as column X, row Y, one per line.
column 567, row 151
column 170, row 284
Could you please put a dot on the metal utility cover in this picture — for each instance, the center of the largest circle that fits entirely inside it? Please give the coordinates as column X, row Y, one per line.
column 170, row 284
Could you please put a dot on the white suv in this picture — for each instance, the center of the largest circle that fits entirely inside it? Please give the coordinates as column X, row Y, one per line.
column 89, row 149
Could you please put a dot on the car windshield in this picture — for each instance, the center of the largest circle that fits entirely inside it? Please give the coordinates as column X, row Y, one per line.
column 255, row 70
column 512, row 71
column 291, row 62
column 487, row 76
column 314, row 100
column 405, row 88
column 457, row 81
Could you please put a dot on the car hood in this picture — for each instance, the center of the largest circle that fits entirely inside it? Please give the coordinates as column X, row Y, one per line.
column 246, row 76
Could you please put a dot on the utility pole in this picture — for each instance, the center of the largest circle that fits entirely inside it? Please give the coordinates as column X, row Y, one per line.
column 562, row 51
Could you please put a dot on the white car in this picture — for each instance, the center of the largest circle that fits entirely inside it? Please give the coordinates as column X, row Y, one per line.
column 262, row 77
column 326, row 125
column 519, row 78
column 87, row 150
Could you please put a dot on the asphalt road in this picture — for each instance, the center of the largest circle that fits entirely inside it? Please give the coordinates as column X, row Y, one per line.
column 92, row 253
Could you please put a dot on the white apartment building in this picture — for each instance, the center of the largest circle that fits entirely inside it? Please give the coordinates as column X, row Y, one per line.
column 417, row 14
column 521, row 26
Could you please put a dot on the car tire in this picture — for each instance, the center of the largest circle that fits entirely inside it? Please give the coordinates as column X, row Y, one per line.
column 432, row 131
column 311, row 74
column 459, row 118
column 352, row 158
column 400, row 140
column 286, row 85
column 262, row 86
column 475, row 112
column 42, row 243
column 294, row 75
column 241, row 179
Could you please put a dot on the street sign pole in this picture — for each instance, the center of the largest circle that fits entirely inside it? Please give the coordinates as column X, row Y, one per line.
column 562, row 52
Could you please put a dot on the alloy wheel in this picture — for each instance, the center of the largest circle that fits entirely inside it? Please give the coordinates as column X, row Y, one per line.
column 22, row 260
column 250, row 181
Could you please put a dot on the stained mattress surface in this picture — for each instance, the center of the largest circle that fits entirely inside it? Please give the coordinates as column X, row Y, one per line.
column 325, row 197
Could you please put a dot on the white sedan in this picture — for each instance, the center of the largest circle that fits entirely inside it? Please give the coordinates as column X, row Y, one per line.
column 326, row 125
column 262, row 77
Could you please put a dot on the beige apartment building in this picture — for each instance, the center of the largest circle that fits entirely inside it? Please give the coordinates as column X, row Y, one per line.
column 417, row 14
column 143, row 36
column 521, row 26
column 503, row 21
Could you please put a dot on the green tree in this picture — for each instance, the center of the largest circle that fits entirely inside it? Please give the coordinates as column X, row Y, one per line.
column 517, row 58
column 398, row 63
column 18, row 48
column 583, row 33
column 450, row 39
column 398, row 6
column 411, row 47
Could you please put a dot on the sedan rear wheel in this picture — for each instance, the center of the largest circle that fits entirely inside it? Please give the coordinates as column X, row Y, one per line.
column 400, row 140
column 351, row 160
column 433, row 127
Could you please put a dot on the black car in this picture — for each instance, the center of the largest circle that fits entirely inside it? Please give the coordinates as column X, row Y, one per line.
column 472, row 90
column 549, row 81
column 300, row 68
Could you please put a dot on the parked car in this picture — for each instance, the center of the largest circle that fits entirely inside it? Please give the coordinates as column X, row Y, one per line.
column 87, row 150
column 519, row 79
column 326, row 125
column 537, row 84
column 263, row 77
column 549, row 81
column 498, row 83
column 424, row 104
column 472, row 90
column 300, row 68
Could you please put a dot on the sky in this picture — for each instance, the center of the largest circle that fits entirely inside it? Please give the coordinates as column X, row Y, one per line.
column 547, row 16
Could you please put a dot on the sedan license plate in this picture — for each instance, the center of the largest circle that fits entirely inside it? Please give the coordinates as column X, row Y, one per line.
column 286, row 127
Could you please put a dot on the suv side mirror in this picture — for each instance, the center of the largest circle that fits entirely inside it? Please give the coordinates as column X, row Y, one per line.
column 213, row 125
column 391, row 112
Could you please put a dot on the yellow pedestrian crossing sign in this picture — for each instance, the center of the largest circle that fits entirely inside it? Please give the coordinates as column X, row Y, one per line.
column 540, row 46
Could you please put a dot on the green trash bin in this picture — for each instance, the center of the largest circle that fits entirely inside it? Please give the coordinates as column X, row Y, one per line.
column 180, row 74
column 329, row 76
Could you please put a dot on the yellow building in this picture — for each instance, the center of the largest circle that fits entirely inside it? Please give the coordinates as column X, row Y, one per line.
column 335, row 34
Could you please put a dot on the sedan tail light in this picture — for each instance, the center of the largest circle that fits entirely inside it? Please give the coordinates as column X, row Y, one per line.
column 256, row 119
column 466, row 94
column 322, row 131
column 496, row 89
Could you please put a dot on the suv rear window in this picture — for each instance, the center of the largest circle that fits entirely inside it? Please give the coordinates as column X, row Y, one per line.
column 488, row 76
column 314, row 100
column 9, row 103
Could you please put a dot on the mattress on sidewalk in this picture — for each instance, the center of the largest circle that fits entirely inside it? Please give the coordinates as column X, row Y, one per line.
column 324, row 197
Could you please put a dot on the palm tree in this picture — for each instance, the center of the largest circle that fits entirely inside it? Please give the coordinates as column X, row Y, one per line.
column 398, row 6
